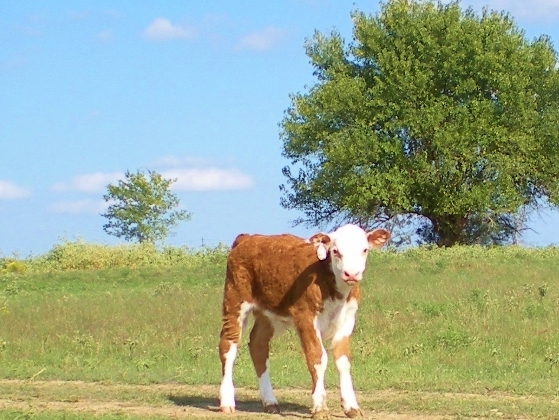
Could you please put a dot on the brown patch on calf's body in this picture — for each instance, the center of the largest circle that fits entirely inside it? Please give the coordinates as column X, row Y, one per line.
column 341, row 348
column 312, row 348
column 256, row 274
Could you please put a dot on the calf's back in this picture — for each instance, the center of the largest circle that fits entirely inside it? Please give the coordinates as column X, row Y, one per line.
column 280, row 273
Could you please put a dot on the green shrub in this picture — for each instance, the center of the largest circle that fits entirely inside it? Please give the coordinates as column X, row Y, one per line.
column 12, row 266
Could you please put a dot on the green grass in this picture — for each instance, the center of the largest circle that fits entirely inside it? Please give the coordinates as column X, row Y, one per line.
column 466, row 320
column 120, row 325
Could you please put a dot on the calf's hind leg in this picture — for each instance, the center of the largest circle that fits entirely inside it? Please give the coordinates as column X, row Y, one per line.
column 259, row 346
column 315, row 354
column 234, row 319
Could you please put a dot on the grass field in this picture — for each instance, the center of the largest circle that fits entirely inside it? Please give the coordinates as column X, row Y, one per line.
column 464, row 332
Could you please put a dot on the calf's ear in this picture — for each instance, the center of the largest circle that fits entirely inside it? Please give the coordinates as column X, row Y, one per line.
column 321, row 242
column 378, row 238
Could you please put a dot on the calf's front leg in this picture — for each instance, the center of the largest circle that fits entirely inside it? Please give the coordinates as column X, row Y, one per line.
column 340, row 350
column 347, row 393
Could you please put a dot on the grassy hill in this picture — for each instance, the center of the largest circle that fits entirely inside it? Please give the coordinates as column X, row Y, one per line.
column 465, row 319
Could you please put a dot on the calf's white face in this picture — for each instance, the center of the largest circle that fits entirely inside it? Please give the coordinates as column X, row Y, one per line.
column 348, row 251
column 348, row 247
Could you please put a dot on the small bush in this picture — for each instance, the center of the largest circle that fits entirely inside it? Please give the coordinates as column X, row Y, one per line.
column 12, row 266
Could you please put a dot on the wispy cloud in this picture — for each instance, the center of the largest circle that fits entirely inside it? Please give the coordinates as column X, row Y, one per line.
column 162, row 29
column 11, row 191
column 86, row 206
column 209, row 179
column 88, row 183
column 13, row 62
column 309, row 2
column 175, row 161
column 92, row 116
column 105, row 36
column 262, row 40
column 203, row 174
column 192, row 174
column 537, row 11
column 79, row 14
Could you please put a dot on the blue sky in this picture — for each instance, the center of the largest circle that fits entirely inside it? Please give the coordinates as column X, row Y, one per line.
column 193, row 90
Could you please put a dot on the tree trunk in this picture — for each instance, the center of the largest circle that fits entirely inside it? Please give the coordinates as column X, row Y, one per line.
column 449, row 230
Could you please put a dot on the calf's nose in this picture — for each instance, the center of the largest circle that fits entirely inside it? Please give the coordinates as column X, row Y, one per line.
column 352, row 275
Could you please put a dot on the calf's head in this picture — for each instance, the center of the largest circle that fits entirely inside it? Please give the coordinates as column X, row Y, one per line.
column 348, row 247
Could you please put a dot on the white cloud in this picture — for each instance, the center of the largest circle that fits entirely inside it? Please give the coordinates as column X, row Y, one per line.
column 263, row 40
column 162, row 29
column 188, row 179
column 11, row 191
column 86, row 206
column 209, row 179
column 88, row 183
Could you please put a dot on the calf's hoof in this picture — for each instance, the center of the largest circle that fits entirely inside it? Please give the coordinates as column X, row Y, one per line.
column 321, row 415
column 272, row 409
column 227, row 410
column 353, row 412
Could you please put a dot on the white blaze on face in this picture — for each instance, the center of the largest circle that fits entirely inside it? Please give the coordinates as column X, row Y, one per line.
column 348, row 251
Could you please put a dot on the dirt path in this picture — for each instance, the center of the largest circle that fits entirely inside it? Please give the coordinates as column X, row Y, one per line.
column 175, row 401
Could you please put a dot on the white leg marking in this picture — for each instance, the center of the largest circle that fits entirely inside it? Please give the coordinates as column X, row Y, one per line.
column 266, row 392
column 345, row 326
column 346, row 386
column 227, row 389
column 319, row 394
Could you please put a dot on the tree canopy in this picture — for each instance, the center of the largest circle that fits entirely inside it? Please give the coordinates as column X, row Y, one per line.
column 432, row 114
column 142, row 208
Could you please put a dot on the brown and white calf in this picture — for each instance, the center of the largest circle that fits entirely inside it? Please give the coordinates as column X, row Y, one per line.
column 312, row 285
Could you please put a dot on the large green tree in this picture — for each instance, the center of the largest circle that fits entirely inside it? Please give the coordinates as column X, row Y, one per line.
column 142, row 208
column 433, row 115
